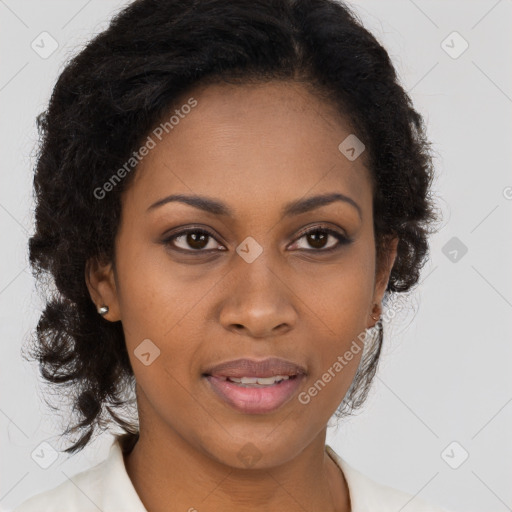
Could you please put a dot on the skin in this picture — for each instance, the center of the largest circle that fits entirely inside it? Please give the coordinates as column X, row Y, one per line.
column 256, row 148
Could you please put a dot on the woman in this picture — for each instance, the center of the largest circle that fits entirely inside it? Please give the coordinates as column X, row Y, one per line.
column 227, row 192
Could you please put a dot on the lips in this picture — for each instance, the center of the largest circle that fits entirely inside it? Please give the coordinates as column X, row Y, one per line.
column 270, row 367
column 255, row 399
column 255, row 387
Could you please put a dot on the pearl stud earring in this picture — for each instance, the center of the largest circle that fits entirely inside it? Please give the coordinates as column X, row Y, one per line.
column 103, row 310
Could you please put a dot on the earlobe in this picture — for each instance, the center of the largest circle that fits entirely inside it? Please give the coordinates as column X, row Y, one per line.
column 100, row 281
column 382, row 278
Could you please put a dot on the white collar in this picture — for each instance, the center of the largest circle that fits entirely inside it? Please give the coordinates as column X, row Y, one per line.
column 366, row 495
column 108, row 486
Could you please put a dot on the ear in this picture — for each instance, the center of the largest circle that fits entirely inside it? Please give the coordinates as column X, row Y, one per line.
column 101, row 283
column 383, row 270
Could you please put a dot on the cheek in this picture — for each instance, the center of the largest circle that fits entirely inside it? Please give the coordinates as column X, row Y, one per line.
column 340, row 294
column 161, row 307
column 153, row 295
column 339, row 303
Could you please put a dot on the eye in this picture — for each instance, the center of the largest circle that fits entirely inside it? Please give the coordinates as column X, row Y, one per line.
column 199, row 239
column 318, row 236
column 192, row 240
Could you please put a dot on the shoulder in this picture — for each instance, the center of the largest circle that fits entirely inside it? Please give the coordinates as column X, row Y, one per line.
column 68, row 494
column 106, row 487
column 367, row 495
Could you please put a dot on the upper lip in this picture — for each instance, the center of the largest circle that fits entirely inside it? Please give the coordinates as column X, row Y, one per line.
column 269, row 367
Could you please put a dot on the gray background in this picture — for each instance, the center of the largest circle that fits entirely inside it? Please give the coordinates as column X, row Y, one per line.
column 445, row 372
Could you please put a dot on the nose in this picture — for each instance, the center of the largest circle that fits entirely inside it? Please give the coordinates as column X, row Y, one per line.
column 258, row 301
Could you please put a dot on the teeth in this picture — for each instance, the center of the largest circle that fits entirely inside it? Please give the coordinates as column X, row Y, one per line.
column 264, row 381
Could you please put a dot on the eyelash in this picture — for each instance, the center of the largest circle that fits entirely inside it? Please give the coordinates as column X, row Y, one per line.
column 342, row 239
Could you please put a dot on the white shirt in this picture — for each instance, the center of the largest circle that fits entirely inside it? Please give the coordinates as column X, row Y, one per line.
column 107, row 487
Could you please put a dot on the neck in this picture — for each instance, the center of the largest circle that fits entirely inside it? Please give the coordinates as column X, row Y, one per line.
column 169, row 474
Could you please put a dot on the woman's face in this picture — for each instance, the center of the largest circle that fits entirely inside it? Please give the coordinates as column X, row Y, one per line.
column 256, row 161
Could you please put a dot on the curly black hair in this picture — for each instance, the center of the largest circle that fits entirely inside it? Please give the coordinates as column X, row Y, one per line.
column 122, row 84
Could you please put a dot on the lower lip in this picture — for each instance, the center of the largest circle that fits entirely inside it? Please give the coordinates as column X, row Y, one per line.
column 255, row 400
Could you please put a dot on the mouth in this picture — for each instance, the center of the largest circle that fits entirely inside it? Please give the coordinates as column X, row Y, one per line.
column 252, row 368
column 255, row 387
column 258, row 382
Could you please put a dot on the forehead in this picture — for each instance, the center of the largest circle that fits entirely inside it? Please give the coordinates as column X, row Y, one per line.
column 250, row 144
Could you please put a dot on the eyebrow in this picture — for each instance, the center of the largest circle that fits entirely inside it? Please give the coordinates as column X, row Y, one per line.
column 297, row 207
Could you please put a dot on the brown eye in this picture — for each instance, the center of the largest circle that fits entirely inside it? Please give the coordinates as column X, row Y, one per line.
column 318, row 239
column 196, row 240
column 192, row 240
